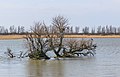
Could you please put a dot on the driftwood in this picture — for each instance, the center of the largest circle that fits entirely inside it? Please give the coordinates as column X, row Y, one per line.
column 84, row 54
column 22, row 54
column 9, row 53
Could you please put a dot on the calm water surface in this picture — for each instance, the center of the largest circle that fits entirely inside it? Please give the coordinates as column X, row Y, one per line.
column 106, row 63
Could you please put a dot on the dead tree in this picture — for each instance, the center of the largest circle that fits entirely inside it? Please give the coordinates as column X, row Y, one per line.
column 43, row 39
column 59, row 24
column 36, row 43
column 76, row 47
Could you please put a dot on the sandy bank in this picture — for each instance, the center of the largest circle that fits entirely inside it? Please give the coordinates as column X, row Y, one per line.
column 5, row 37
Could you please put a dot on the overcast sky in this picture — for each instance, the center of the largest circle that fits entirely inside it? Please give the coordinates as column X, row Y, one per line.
column 79, row 12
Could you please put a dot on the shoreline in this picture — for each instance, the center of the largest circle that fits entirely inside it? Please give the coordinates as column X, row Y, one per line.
column 10, row 37
column 92, row 36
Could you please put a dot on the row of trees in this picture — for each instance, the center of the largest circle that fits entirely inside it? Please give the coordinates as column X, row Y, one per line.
column 12, row 30
column 46, row 39
column 69, row 30
column 88, row 30
column 101, row 30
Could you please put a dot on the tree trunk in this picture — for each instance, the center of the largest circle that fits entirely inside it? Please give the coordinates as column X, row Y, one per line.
column 57, row 54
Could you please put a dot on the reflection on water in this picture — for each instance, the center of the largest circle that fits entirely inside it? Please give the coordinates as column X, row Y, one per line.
column 106, row 63
column 45, row 68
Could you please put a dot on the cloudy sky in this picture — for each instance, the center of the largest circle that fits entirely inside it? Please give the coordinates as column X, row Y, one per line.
column 79, row 12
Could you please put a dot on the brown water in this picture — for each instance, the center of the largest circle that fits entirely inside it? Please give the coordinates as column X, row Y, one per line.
column 106, row 63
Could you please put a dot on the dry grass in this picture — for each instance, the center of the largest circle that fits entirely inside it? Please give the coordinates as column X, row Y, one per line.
column 5, row 37
column 92, row 36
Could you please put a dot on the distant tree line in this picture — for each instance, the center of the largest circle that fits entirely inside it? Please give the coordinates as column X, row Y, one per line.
column 12, row 30
column 100, row 30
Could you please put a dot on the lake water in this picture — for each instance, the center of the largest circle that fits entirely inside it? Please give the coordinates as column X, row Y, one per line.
column 106, row 63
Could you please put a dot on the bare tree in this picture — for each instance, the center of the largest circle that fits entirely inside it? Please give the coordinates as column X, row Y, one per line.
column 3, row 30
column 118, row 30
column 111, row 29
column 43, row 39
column 86, row 30
column 60, row 23
column 71, row 29
column 76, row 47
column 36, row 43
column 99, row 29
column 77, row 29
column 12, row 29
column 114, row 30
column 107, row 29
column 103, row 30
column 93, row 31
